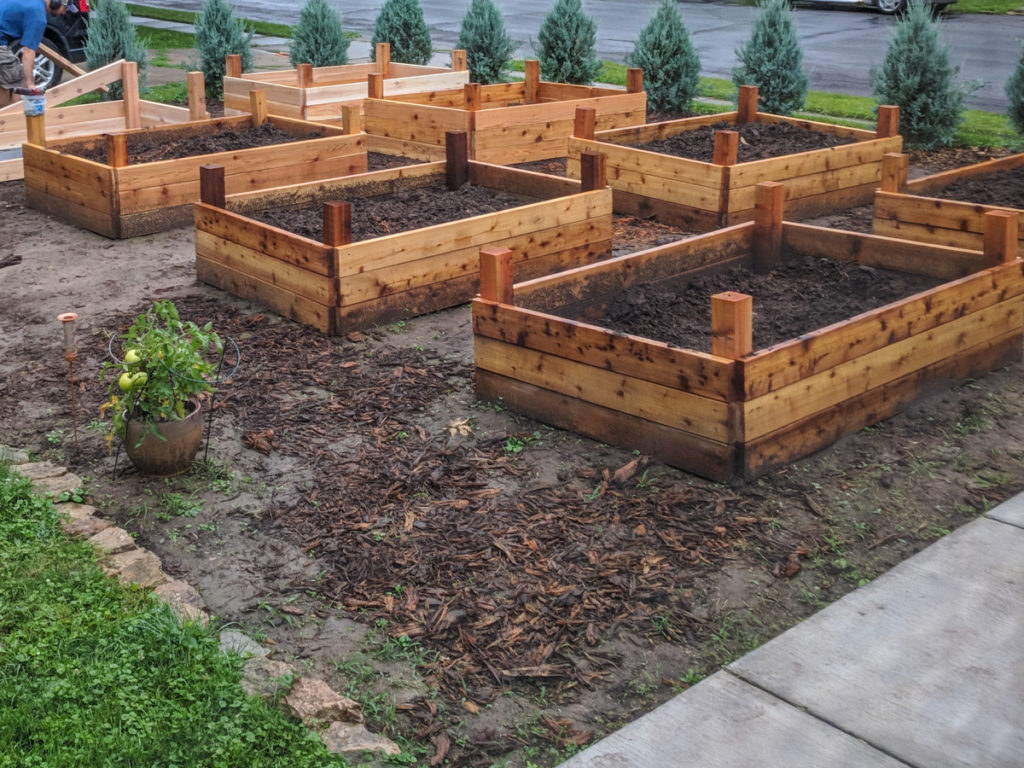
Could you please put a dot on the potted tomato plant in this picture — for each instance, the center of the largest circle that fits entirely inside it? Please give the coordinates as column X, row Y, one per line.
column 156, row 387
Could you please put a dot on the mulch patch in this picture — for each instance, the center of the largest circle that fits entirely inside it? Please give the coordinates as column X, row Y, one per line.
column 757, row 141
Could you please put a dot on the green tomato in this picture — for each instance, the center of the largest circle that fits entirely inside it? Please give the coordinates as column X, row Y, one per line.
column 132, row 357
column 140, row 378
column 125, row 382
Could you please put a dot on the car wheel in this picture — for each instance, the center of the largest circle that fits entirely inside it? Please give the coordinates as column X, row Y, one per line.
column 891, row 6
column 45, row 72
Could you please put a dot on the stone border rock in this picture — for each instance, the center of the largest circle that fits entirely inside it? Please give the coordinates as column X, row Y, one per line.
column 336, row 719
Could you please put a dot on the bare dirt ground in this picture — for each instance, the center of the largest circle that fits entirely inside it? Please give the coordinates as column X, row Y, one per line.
column 495, row 591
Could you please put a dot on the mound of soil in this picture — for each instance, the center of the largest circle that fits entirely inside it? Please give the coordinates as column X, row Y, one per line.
column 999, row 188
column 758, row 141
column 799, row 296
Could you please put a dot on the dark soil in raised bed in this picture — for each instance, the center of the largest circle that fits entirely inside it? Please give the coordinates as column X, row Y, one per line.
column 758, row 141
column 802, row 295
column 400, row 211
column 999, row 188
column 145, row 148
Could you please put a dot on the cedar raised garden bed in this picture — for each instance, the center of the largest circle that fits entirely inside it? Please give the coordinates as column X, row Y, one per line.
column 905, row 209
column 318, row 93
column 338, row 286
column 120, row 199
column 506, row 123
column 735, row 411
column 89, row 119
column 709, row 195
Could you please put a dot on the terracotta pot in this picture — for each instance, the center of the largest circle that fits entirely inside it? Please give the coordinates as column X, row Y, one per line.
column 172, row 455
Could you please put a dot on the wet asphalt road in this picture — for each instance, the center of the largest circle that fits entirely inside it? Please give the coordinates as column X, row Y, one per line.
column 840, row 44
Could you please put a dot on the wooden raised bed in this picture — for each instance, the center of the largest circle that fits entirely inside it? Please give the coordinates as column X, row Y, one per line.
column 705, row 196
column 90, row 119
column 118, row 199
column 736, row 411
column 338, row 286
column 506, row 123
column 318, row 93
column 903, row 209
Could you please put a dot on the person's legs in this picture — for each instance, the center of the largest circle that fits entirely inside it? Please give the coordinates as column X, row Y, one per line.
column 11, row 74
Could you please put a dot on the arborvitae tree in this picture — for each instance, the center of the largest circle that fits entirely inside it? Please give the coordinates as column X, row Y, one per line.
column 1015, row 93
column 567, row 38
column 319, row 39
column 112, row 36
column 917, row 77
column 488, row 46
column 772, row 60
column 218, row 33
column 401, row 23
column 670, row 63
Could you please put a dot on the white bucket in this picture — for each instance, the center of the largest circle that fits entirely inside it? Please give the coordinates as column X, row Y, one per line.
column 34, row 104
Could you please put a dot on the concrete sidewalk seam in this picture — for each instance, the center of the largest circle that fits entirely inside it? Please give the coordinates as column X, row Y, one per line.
column 820, row 718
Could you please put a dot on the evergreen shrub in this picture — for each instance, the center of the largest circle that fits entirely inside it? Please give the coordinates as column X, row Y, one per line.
column 566, row 37
column 670, row 63
column 318, row 39
column 1015, row 93
column 112, row 36
column 772, row 60
column 219, row 33
column 916, row 76
column 488, row 46
column 401, row 23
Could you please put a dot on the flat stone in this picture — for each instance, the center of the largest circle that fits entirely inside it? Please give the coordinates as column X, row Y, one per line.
column 54, row 486
column 137, row 566
column 348, row 738
column 113, row 541
column 184, row 600
column 265, row 677
column 76, row 511
column 233, row 641
column 85, row 527
column 41, row 470
column 9, row 455
column 312, row 700
column 925, row 662
column 723, row 722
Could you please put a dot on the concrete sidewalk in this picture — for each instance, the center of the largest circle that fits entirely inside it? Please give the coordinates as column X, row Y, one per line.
column 923, row 667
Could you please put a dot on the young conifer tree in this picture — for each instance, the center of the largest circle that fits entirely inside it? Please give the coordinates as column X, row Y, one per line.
column 916, row 76
column 670, row 63
column 112, row 36
column 488, row 46
column 1015, row 93
column 318, row 39
column 401, row 23
column 567, row 37
column 772, row 60
column 218, row 33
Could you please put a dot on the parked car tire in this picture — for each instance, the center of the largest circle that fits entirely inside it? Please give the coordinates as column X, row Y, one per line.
column 891, row 6
column 46, row 73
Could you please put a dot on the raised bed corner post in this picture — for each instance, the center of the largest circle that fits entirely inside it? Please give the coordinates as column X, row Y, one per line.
column 634, row 80
column 584, row 123
column 895, row 166
column 746, row 105
column 130, row 94
column 592, row 171
column 382, row 57
column 117, row 149
column 258, row 107
column 472, row 97
column 1000, row 243
column 732, row 325
column 233, row 65
column 769, row 197
column 888, row 122
column 496, row 276
column 375, row 85
column 727, row 147
column 304, row 72
column 35, row 129
column 531, row 70
column 196, row 96
column 456, row 155
column 351, row 119
column 211, row 185
column 337, row 227
column 459, row 61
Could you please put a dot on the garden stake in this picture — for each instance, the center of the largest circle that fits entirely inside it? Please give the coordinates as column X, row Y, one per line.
column 67, row 320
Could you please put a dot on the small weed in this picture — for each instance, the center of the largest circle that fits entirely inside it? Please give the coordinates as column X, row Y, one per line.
column 76, row 495
column 55, row 436
column 175, row 504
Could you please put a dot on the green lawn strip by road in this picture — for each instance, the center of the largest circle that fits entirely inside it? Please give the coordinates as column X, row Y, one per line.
column 92, row 670
column 986, row 6
column 169, row 14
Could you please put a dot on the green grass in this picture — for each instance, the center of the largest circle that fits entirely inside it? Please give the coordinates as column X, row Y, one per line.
column 91, row 670
column 165, row 39
column 169, row 14
column 986, row 6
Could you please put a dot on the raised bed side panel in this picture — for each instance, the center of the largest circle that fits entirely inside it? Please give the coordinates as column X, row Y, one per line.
column 435, row 267
column 521, row 182
column 491, row 96
column 536, row 364
column 325, row 102
column 541, row 131
column 291, row 275
column 934, row 182
column 397, row 126
column 932, row 220
column 283, row 98
column 648, row 132
column 154, row 113
column 931, row 343
column 72, row 189
column 858, row 134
